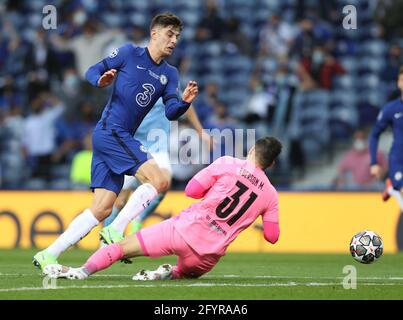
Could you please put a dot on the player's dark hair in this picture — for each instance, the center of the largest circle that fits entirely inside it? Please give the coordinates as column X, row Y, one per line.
column 401, row 70
column 166, row 19
column 267, row 150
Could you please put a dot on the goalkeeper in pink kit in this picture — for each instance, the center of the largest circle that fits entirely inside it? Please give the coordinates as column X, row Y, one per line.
column 235, row 193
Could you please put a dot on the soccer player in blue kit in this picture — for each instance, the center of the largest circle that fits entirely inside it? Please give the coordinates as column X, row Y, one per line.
column 154, row 134
column 391, row 115
column 140, row 76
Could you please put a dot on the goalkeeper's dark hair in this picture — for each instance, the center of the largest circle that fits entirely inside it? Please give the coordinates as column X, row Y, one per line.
column 166, row 19
column 267, row 149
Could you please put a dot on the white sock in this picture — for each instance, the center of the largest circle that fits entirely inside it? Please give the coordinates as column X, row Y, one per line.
column 77, row 230
column 138, row 201
column 397, row 195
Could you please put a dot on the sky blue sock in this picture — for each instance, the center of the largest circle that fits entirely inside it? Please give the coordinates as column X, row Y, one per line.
column 113, row 215
column 153, row 205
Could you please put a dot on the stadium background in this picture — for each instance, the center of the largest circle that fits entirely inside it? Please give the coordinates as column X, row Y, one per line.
column 286, row 68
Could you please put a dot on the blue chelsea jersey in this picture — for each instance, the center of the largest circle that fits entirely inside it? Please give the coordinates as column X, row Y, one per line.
column 155, row 119
column 139, row 83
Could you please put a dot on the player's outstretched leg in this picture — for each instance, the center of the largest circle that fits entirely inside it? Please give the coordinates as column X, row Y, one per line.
column 78, row 228
column 100, row 260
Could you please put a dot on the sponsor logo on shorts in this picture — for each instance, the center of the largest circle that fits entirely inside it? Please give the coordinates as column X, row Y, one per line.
column 143, row 148
column 398, row 176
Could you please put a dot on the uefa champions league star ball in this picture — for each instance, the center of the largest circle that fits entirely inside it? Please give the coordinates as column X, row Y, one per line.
column 366, row 247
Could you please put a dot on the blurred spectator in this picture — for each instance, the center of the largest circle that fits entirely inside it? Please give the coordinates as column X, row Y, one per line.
column 204, row 104
column 88, row 47
column 235, row 36
column 220, row 118
column 389, row 74
column 71, row 132
column 41, row 65
column 211, row 25
column 259, row 102
column 276, row 36
column 354, row 167
column 138, row 36
column 11, row 156
column 16, row 63
column 80, row 174
column 9, row 96
column 389, row 16
column 327, row 10
column 39, row 134
column 319, row 69
column 305, row 41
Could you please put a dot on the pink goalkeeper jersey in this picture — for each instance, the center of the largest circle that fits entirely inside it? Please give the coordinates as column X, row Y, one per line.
column 238, row 194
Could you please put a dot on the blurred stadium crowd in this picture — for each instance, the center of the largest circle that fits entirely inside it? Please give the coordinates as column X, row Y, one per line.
column 284, row 67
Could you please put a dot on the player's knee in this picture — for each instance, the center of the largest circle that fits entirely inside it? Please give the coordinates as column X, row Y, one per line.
column 101, row 212
column 160, row 183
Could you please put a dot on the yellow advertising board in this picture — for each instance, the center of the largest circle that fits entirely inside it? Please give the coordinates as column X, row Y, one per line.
column 309, row 222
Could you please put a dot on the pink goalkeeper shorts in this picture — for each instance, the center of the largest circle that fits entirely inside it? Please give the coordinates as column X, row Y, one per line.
column 162, row 239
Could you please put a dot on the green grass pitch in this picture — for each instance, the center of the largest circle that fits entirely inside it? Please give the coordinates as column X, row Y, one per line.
column 237, row 276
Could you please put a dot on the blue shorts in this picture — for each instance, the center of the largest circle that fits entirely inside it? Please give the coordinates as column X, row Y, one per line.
column 396, row 172
column 115, row 153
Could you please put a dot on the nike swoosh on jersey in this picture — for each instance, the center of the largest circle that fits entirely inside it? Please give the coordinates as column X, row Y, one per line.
column 138, row 67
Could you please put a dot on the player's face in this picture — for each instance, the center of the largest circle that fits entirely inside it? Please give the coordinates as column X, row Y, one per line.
column 166, row 39
column 400, row 83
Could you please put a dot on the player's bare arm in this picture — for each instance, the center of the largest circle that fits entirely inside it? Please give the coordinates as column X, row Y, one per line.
column 204, row 136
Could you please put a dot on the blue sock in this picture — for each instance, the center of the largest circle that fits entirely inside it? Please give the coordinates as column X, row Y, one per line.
column 113, row 215
column 153, row 205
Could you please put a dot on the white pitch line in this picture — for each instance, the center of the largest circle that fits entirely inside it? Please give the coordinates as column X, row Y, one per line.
column 299, row 277
column 289, row 284
column 228, row 276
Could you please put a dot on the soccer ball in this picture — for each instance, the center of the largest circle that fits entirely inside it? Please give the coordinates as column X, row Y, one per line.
column 366, row 247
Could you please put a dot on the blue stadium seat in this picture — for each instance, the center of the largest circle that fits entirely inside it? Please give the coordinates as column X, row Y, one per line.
column 344, row 82
column 35, row 184
column 375, row 48
column 347, row 115
column 139, row 19
column 369, row 64
column 350, row 64
column 113, row 20
column 344, row 97
column 370, row 82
